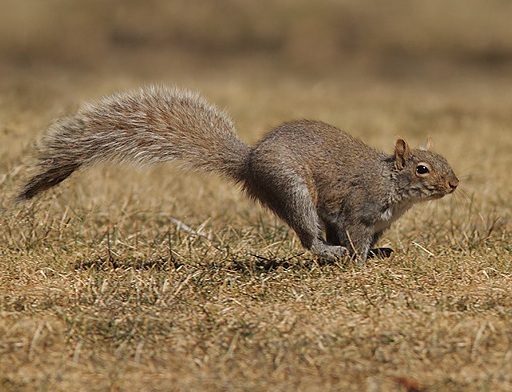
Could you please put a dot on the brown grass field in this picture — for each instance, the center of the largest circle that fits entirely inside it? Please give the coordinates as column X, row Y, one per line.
column 102, row 290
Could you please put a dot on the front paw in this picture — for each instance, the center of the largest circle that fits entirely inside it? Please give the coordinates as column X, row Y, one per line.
column 380, row 253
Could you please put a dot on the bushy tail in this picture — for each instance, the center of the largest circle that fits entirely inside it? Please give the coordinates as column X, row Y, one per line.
column 151, row 125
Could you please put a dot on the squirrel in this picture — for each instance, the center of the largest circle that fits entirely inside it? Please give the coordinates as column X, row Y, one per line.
column 337, row 193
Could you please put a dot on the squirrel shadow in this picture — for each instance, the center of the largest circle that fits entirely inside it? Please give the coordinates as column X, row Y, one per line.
column 256, row 264
column 138, row 263
column 264, row 264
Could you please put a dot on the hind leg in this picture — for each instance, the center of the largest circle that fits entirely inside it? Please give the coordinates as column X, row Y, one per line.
column 357, row 238
column 303, row 218
column 294, row 204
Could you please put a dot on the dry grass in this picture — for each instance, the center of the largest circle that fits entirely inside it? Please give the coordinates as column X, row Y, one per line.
column 100, row 290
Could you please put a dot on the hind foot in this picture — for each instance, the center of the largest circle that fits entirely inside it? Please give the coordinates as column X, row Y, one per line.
column 330, row 253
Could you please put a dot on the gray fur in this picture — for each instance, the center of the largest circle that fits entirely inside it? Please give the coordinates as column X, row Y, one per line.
column 337, row 193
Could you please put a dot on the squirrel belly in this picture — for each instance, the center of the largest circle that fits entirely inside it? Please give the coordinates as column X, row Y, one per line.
column 338, row 194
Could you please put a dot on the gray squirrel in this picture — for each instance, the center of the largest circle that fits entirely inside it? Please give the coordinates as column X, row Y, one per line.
column 338, row 194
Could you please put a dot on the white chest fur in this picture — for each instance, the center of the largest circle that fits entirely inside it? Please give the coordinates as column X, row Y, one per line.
column 390, row 215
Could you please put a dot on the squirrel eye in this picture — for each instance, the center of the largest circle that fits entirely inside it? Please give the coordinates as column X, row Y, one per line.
column 422, row 169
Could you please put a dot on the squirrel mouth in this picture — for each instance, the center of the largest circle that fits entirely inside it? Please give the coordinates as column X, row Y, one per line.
column 439, row 195
column 443, row 193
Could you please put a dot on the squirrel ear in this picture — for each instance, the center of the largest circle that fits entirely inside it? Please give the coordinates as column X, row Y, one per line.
column 428, row 145
column 402, row 153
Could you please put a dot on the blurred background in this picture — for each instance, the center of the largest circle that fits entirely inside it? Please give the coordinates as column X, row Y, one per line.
column 396, row 38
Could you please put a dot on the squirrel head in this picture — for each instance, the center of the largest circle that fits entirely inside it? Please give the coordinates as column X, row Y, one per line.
column 423, row 174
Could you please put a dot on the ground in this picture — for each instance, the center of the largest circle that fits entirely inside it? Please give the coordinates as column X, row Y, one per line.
column 103, row 288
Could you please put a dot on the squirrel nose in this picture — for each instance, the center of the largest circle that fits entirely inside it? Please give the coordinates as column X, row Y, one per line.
column 453, row 183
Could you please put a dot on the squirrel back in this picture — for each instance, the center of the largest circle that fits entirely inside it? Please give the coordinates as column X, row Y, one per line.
column 337, row 193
